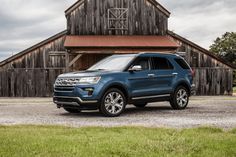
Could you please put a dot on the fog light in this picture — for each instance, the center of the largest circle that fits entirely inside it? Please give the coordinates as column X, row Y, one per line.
column 89, row 89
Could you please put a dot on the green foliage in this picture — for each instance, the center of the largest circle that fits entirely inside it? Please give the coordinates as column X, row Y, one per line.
column 225, row 47
column 53, row 141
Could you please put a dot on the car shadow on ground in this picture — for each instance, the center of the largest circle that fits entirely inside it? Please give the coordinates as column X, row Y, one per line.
column 129, row 111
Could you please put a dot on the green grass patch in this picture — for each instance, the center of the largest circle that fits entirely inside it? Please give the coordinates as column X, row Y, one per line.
column 55, row 141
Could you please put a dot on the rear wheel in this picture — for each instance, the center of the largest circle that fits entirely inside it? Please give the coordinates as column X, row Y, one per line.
column 140, row 105
column 71, row 110
column 113, row 103
column 180, row 98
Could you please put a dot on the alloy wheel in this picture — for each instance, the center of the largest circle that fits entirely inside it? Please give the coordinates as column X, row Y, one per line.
column 182, row 97
column 114, row 102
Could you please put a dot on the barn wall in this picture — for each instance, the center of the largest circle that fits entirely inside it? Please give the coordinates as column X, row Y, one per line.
column 33, row 73
column 28, row 83
column 212, row 77
column 91, row 18
column 40, row 57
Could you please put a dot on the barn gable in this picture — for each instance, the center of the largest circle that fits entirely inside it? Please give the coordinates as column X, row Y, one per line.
column 117, row 17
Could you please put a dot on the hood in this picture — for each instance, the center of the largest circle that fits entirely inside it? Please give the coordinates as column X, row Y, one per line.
column 80, row 74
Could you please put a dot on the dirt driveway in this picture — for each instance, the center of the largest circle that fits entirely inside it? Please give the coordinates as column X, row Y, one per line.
column 202, row 111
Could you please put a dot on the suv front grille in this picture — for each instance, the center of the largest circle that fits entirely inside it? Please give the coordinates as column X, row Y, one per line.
column 66, row 82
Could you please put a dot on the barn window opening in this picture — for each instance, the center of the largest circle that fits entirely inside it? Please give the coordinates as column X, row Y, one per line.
column 118, row 18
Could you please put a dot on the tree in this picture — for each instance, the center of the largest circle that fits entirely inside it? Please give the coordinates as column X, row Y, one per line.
column 225, row 47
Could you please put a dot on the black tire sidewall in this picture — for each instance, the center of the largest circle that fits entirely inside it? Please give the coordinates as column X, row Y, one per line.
column 173, row 100
column 103, row 109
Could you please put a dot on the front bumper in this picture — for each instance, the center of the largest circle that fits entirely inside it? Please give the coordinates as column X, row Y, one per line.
column 75, row 102
column 82, row 96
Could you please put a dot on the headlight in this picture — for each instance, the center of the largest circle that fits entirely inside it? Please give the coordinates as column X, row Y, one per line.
column 89, row 80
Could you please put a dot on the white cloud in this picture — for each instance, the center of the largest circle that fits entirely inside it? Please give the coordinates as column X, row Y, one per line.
column 201, row 21
column 24, row 23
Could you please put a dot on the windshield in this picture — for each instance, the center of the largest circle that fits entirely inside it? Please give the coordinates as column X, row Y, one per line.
column 112, row 63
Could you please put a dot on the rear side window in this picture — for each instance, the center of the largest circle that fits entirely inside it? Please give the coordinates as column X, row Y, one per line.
column 182, row 63
column 160, row 63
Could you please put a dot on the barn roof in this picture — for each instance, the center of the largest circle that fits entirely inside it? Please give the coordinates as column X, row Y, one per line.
column 205, row 51
column 135, row 41
column 22, row 53
column 174, row 35
column 154, row 2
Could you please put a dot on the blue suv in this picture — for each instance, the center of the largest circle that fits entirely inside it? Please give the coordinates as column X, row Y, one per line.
column 119, row 80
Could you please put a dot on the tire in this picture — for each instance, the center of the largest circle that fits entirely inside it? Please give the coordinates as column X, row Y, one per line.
column 180, row 98
column 113, row 103
column 140, row 105
column 71, row 110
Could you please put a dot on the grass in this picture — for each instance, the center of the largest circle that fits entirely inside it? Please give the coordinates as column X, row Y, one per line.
column 55, row 141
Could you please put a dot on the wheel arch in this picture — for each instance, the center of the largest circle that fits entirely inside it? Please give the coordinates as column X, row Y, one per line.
column 119, row 86
column 184, row 84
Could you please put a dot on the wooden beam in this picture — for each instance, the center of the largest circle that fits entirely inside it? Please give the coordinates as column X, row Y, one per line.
column 57, row 53
column 75, row 59
column 67, row 59
column 44, row 60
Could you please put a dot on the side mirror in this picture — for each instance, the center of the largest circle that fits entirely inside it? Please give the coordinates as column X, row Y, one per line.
column 135, row 68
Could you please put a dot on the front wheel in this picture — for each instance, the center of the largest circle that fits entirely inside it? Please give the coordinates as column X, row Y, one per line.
column 180, row 98
column 113, row 103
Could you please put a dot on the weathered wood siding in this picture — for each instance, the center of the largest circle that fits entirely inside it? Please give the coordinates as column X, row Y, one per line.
column 212, row 76
column 213, row 81
column 91, row 18
column 28, row 83
column 40, row 57
column 33, row 73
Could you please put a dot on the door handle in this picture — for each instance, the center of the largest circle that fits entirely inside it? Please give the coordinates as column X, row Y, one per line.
column 151, row 75
column 174, row 74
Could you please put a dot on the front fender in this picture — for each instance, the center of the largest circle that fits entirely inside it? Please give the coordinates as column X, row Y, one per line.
column 111, row 84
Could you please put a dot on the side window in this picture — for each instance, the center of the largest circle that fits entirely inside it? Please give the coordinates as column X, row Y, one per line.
column 143, row 62
column 182, row 63
column 160, row 63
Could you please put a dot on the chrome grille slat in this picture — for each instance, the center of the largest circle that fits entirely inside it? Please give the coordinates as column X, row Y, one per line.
column 66, row 82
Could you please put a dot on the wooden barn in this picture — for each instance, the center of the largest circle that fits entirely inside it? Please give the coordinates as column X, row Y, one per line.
column 99, row 28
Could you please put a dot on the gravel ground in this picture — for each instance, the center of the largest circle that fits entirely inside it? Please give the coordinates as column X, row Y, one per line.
column 202, row 111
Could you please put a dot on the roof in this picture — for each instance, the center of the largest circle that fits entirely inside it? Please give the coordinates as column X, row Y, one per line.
column 205, row 51
column 63, row 33
column 154, row 2
column 120, row 42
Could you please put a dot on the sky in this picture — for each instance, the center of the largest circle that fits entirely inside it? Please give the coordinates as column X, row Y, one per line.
column 24, row 23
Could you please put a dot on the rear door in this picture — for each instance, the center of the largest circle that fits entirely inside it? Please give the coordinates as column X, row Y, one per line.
column 163, row 71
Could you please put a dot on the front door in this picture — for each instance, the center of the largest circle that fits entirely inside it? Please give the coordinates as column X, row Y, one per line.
column 141, row 82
